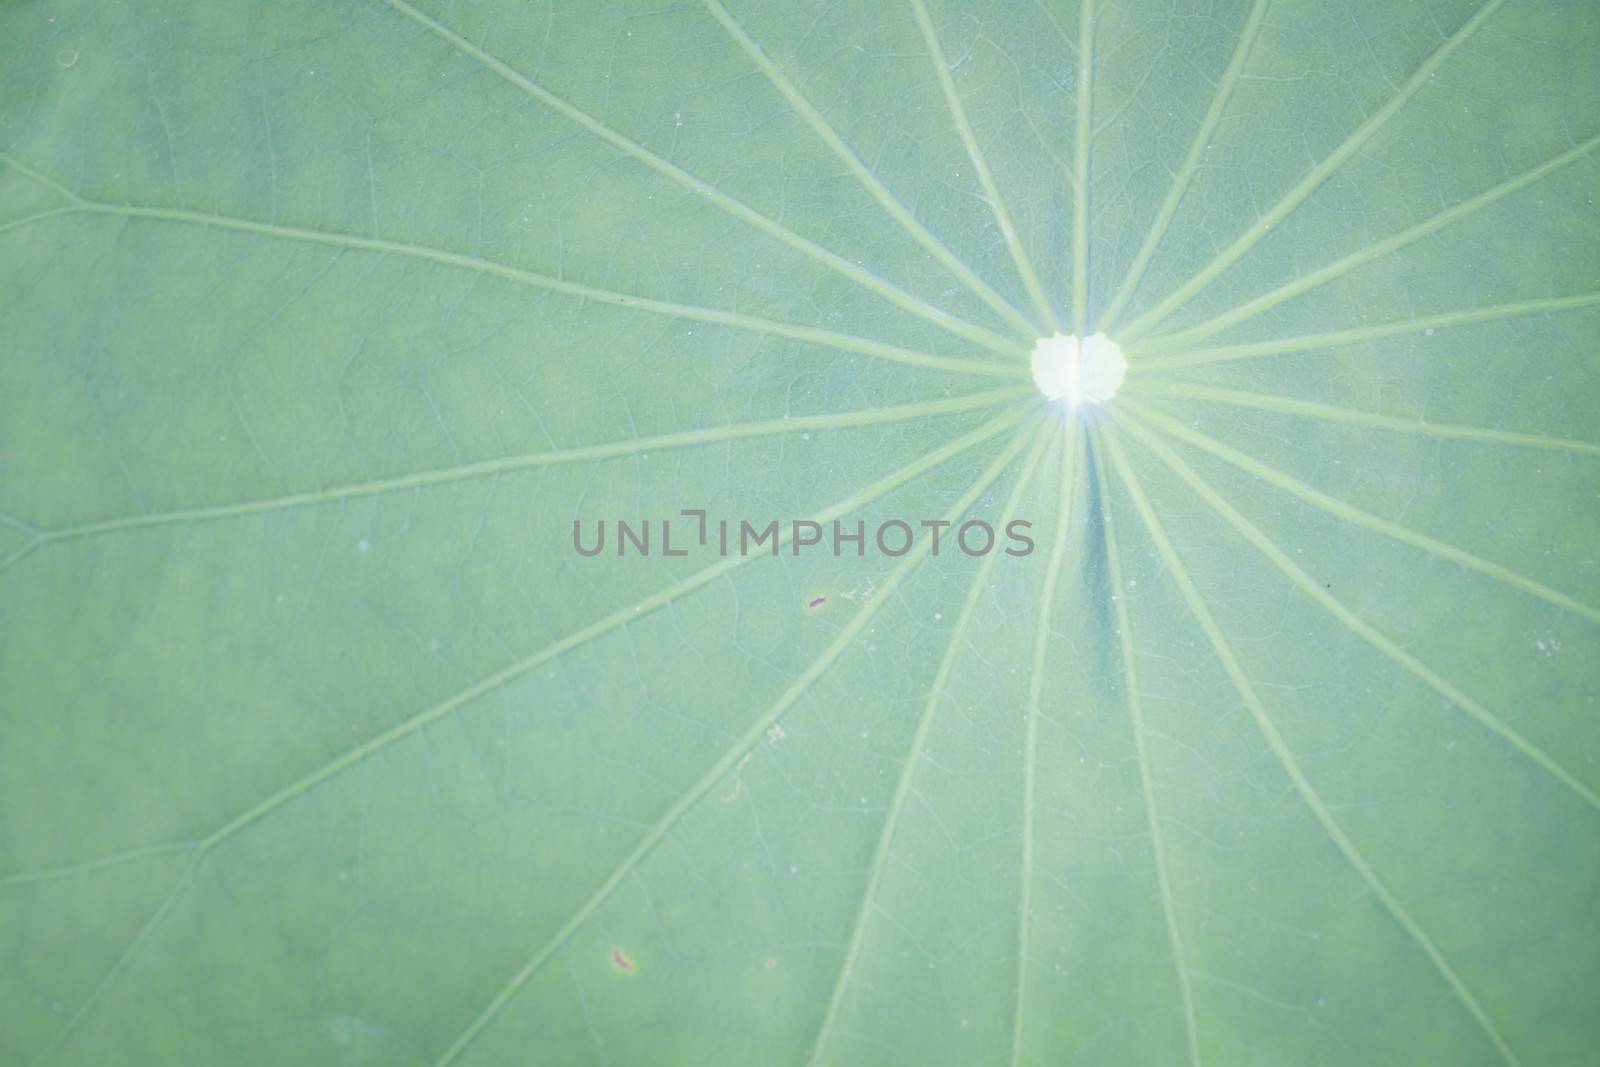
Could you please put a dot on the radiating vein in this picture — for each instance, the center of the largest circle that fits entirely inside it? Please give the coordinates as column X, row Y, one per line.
column 17, row 524
column 123, row 962
column 1352, row 514
column 980, row 166
column 104, row 863
column 1312, row 181
column 860, row 275
column 1080, row 169
column 1354, row 260
column 1291, row 766
column 694, row 312
column 40, row 177
column 1370, row 634
column 39, row 216
column 409, row 727
column 1130, row 682
column 609, row 623
column 1141, row 363
column 1071, row 433
column 554, row 457
column 729, row 761
column 913, row 757
column 870, row 181
column 1352, row 417
column 20, row 554
column 1186, row 169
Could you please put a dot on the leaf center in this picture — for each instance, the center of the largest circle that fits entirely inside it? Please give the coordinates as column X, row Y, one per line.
column 1078, row 371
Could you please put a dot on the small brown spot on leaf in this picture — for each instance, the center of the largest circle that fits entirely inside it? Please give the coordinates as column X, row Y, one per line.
column 623, row 962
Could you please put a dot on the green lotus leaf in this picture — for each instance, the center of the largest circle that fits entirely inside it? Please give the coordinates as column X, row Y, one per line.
column 1264, row 731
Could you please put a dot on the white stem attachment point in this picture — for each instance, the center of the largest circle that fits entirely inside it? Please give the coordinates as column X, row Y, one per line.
column 1077, row 372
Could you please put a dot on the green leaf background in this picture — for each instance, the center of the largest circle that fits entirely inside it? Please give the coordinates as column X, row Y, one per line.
column 320, row 322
